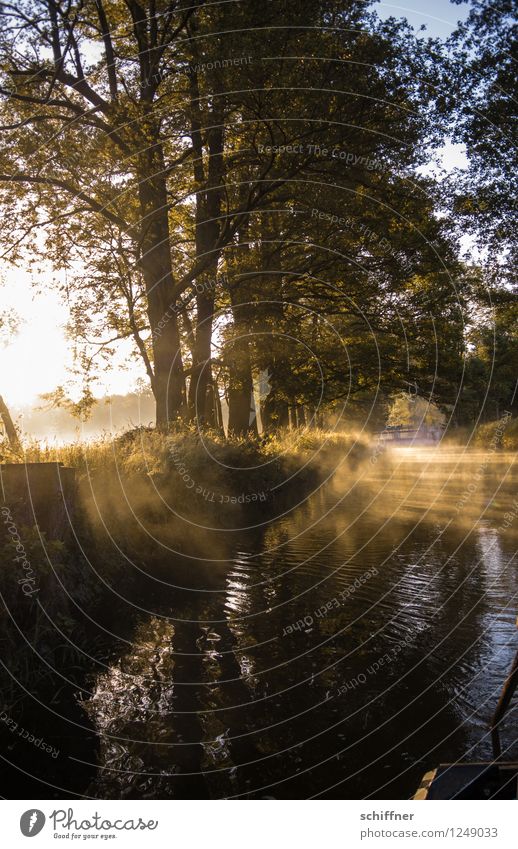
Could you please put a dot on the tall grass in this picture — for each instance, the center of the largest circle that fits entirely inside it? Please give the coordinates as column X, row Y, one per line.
column 148, row 451
column 506, row 436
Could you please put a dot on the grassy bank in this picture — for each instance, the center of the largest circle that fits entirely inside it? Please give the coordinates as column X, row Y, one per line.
column 503, row 433
column 200, row 474
column 146, row 449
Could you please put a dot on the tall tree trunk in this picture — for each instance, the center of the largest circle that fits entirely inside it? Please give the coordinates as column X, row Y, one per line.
column 216, row 400
column 10, row 429
column 301, row 416
column 240, row 390
column 207, row 144
column 274, row 362
column 238, row 350
column 213, row 414
column 201, row 374
column 169, row 380
column 274, row 411
column 239, row 359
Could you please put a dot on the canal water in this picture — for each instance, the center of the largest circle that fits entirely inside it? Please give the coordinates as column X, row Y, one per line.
column 341, row 650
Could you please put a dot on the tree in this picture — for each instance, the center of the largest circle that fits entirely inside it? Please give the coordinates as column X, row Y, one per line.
column 476, row 105
column 479, row 101
column 168, row 149
column 347, row 295
column 314, row 164
column 8, row 325
column 86, row 142
column 411, row 410
column 492, row 363
column 10, row 430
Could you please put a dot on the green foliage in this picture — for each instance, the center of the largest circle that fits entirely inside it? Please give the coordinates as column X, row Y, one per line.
column 489, row 433
column 212, row 169
column 490, row 385
column 412, row 411
column 479, row 99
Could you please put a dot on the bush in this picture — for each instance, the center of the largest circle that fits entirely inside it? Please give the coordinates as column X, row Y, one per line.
column 501, row 433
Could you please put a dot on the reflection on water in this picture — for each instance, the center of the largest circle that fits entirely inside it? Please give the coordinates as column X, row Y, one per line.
column 342, row 651
column 133, row 704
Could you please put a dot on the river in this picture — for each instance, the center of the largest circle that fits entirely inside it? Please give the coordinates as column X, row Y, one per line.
column 341, row 650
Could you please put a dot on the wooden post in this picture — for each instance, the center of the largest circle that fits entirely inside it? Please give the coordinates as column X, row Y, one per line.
column 41, row 494
column 501, row 708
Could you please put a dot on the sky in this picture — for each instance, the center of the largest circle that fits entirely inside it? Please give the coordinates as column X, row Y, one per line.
column 439, row 16
column 36, row 361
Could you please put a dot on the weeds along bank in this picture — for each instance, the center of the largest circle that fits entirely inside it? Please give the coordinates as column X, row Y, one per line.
column 502, row 432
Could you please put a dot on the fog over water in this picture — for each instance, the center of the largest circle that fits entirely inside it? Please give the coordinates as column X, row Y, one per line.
column 344, row 648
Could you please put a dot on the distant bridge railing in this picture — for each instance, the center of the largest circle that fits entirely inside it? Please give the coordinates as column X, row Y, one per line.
column 424, row 435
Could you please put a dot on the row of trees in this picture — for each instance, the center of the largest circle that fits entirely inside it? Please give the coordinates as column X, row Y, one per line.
column 234, row 187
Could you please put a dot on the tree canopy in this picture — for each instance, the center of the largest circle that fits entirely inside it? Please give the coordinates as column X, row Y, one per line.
column 239, row 197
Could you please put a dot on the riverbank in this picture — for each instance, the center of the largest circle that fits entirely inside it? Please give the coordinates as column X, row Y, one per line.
column 500, row 433
column 190, row 474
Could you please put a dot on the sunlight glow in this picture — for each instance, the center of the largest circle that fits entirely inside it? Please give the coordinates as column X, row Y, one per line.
column 39, row 357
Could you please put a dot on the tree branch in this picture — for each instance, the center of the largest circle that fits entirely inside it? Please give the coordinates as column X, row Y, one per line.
column 72, row 190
